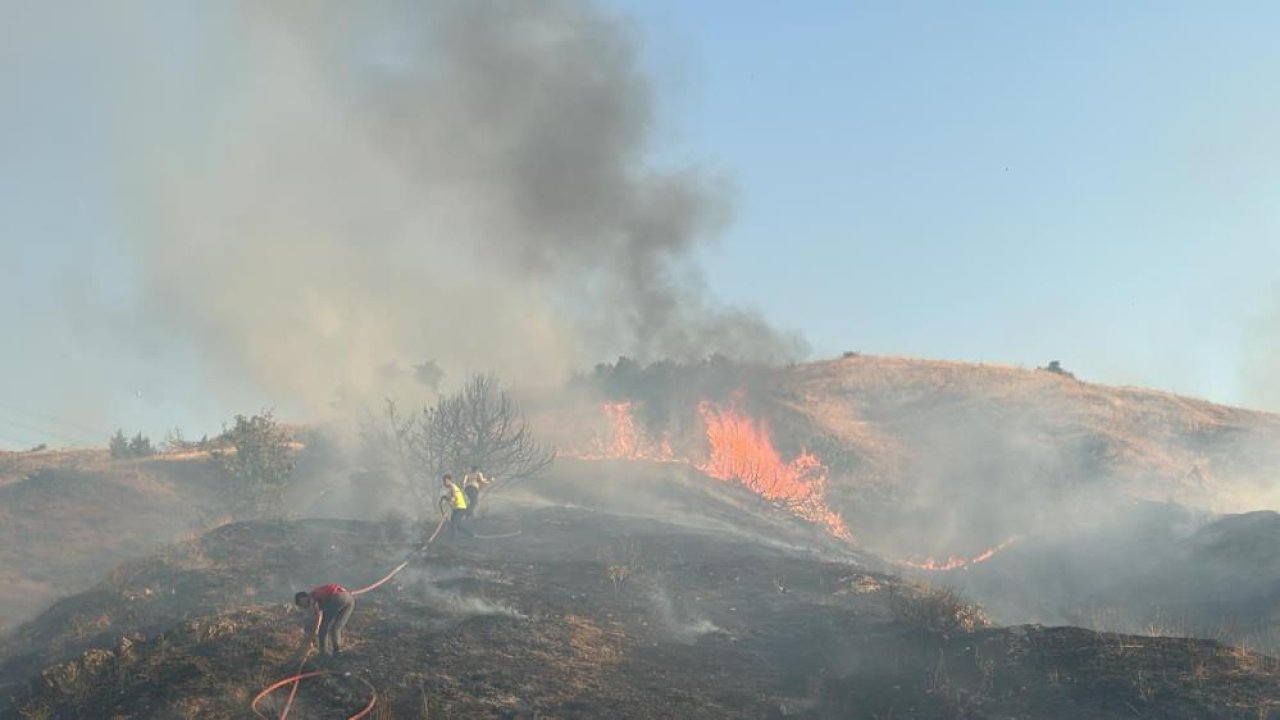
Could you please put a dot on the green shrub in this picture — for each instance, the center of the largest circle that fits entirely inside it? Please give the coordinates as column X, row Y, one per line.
column 257, row 464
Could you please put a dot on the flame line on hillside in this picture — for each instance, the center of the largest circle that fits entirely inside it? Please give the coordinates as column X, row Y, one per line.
column 955, row 562
column 740, row 450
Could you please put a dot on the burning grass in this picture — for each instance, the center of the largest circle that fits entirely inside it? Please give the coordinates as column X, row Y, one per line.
column 739, row 449
column 955, row 562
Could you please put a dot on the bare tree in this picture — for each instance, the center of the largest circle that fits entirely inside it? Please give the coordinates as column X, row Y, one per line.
column 479, row 425
column 482, row 425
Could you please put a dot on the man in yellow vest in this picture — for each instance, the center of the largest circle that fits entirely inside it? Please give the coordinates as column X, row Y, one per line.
column 457, row 506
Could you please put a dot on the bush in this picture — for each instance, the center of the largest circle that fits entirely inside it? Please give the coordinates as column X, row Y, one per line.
column 119, row 445
column 939, row 611
column 1056, row 368
column 258, row 465
column 140, row 446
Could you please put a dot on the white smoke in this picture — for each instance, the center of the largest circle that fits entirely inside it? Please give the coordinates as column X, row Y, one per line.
column 355, row 188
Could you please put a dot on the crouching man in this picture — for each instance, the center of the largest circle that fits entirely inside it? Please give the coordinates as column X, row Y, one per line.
column 334, row 603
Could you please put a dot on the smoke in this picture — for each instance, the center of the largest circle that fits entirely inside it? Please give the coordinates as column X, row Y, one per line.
column 683, row 625
column 1261, row 356
column 425, row 585
column 352, row 189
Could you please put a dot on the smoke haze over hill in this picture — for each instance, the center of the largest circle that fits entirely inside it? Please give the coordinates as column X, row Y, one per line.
column 361, row 186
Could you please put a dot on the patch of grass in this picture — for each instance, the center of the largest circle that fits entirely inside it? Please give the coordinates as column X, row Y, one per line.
column 936, row 610
column 36, row 710
column 623, row 560
column 618, row 575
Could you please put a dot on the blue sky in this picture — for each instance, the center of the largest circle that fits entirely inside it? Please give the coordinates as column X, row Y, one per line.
column 1091, row 182
column 1004, row 182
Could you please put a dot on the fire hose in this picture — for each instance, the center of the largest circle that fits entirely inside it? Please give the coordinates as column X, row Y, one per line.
column 296, row 679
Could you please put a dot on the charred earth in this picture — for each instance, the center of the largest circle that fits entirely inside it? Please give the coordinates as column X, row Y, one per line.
column 589, row 611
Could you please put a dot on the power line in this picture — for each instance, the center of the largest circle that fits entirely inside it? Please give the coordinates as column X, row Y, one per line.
column 23, row 444
column 49, row 418
column 46, row 433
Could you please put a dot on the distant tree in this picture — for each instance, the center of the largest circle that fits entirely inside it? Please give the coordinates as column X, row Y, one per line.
column 257, row 463
column 479, row 425
column 140, row 446
column 669, row 392
column 123, row 447
column 119, row 445
column 1056, row 368
column 429, row 374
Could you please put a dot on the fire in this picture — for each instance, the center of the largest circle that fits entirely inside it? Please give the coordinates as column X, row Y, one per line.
column 742, row 452
column 626, row 442
column 624, row 429
column 956, row 562
column 739, row 450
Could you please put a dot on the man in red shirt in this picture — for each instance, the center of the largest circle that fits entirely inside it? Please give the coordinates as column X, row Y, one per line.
column 335, row 604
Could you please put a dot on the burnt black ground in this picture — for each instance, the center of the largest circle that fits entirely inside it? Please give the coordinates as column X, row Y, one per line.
column 589, row 612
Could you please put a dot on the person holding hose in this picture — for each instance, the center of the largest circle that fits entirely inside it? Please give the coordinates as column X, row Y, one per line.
column 335, row 604
column 471, row 484
column 457, row 507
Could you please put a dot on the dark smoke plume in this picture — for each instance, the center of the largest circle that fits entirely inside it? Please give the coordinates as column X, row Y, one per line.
column 369, row 185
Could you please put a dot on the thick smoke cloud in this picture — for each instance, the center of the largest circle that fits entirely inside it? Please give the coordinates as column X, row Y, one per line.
column 355, row 188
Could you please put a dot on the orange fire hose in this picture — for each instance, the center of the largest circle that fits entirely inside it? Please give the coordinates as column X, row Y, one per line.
column 291, row 679
column 293, row 691
column 373, row 699
column 380, row 583
column 297, row 678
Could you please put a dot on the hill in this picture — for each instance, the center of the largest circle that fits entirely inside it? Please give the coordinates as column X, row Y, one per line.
column 1048, row 499
column 1160, row 445
column 586, row 613
column 939, row 459
column 68, row 517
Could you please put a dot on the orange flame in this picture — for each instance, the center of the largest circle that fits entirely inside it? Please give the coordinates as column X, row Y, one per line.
column 740, row 451
column 955, row 562
column 624, row 429
column 626, row 442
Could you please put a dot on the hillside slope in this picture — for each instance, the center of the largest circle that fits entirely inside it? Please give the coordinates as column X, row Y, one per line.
column 1203, row 453
column 67, row 518
column 941, row 457
column 926, row 458
column 586, row 613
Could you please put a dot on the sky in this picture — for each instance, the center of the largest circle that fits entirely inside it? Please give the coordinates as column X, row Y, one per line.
column 1014, row 183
